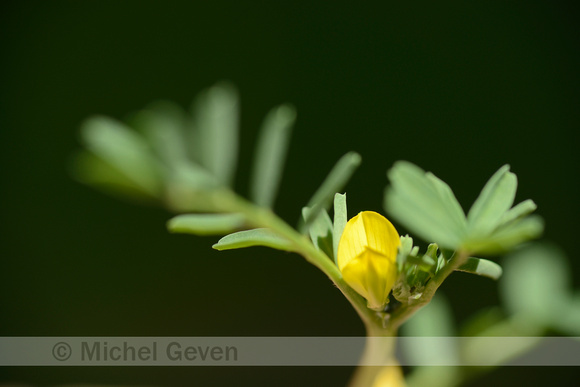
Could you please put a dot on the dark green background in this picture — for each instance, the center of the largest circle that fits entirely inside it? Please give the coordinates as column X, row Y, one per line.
column 458, row 89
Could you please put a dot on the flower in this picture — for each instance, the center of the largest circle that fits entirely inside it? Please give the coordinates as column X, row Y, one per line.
column 367, row 254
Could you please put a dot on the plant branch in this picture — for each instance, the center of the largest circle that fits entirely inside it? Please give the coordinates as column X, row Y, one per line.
column 402, row 314
column 262, row 217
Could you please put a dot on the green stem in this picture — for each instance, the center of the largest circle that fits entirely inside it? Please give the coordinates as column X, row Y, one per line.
column 263, row 217
column 407, row 310
column 377, row 326
column 379, row 351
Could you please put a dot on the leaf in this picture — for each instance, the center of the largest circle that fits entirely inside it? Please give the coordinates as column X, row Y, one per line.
column 256, row 237
column 123, row 149
column 90, row 169
column 163, row 126
column 441, row 262
column 568, row 322
column 536, row 283
column 334, row 182
column 270, row 154
column 432, row 251
column 448, row 199
column 340, row 220
column 320, row 230
column 205, row 224
column 216, row 123
column 481, row 321
column 507, row 237
column 481, row 267
column 494, row 200
column 524, row 208
column 404, row 250
column 424, row 205
column 423, row 262
column 433, row 321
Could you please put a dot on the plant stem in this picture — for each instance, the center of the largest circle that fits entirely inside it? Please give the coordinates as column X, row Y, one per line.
column 378, row 349
column 407, row 310
column 378, row 362
column 262, row 217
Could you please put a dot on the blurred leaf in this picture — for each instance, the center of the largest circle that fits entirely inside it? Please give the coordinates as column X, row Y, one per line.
column 255, row 237
column 270, row 154
column 507, row 236
column 124, row 150
column 424, row 204
column 205, row 224
column 92, row 170
column 519, row 211
column 334, row 182
column 568, row 322
column 481, row 321
column 163, row 126
column 536, row 283
column 434, row 320
column 492, row 352
column 481, row 267
column 320, row 230
column 216, row 122
column 340, row 220
column 434, row 376
column 496, row 197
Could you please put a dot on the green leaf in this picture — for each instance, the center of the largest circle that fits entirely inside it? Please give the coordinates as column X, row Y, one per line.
column 216, row 122
column 320, row 230
column 92, row 170
column 424, row 205
column 424, row 262
column 481, row 321
column 494, row 200
column 448, row 199
column 270, row 154
column 441, row 262
column 432, row 251
column 205, row 224
column 256, row 237
column 524, row 208
column 427, row 263
column 163, row 126
column 340, row 221
column 568, row 321
column 481, row 267
column 506, row 237
column 334, row 182
column 123, row 149
column 434, row 320
column 536, row 283
column 404, row 250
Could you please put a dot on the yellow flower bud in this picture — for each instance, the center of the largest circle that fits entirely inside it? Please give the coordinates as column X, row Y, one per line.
column 367, row 254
